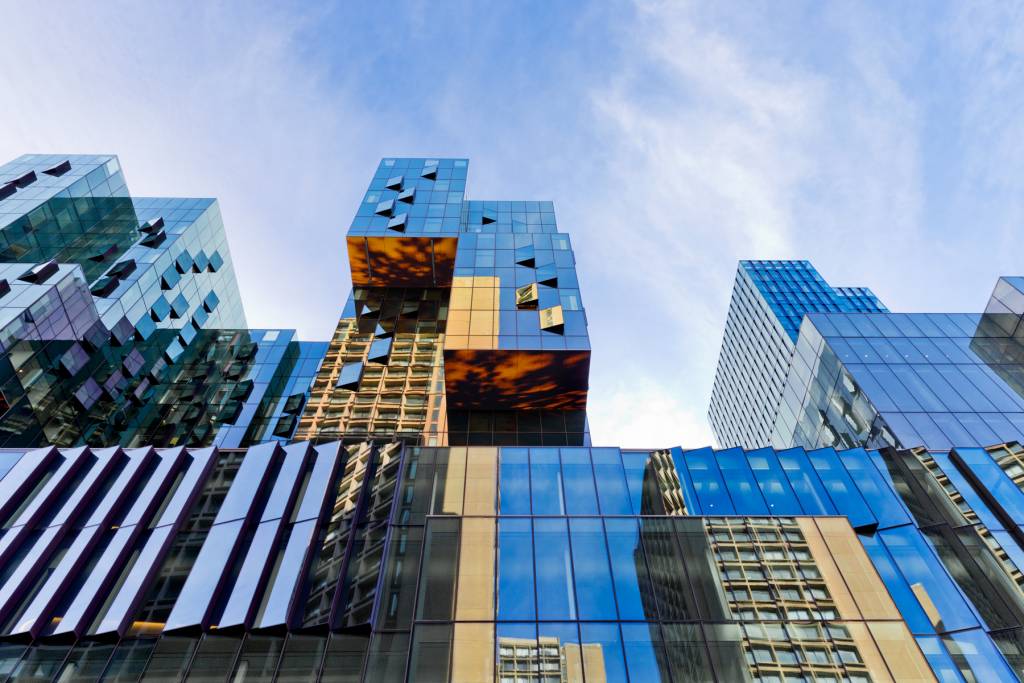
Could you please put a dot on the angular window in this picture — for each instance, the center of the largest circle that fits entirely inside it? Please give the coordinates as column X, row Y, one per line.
column 408, row 195
column 552, row 319
column 25, row 180
column 104, row 255
column 179, row 307
column 40, row 273
column 385, row 208
column 170, row 278
column 152, row 226
column 160, row 309
column 216, row 261
column 429, row 172
column 527, row 296
column 350, row 375
column 60, row 169
column 7, row 190
column 104, row 287
column 547, row 275
column 394, row 183
column 379, row 351
column 210, row 302
column 123, row 269
column 200, row 262
column 524, row 256
column 398, row 222
column 183, row 262
column 155, row 240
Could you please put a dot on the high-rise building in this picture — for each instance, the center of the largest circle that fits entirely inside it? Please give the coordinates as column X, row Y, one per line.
column 465, row 325
column 769, row 300
column 121, row 320
column 444, row 518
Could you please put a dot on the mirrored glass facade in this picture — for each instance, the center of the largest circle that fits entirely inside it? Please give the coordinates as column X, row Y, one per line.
column 465, row 325
column 121, row 320
column 769, row 300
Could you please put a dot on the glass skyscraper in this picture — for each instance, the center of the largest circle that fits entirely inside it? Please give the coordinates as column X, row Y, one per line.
column 418, row 498
column 769, row 300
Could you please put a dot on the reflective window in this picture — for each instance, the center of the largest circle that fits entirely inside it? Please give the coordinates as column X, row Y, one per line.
column 555, row 595
column 591, row 570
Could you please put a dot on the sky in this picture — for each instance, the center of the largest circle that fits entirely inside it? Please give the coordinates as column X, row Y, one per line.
column 882, row 141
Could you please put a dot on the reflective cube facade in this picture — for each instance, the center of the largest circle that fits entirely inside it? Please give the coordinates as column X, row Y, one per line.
column 769, row 300
column 121, row 320
column 465, row 325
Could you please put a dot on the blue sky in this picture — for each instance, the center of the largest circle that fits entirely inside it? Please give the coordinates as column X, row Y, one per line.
column 881, row 141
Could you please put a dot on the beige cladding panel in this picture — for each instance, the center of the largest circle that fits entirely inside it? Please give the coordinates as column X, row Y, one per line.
column 900, row 651
column 475, row 599
column 473, row 653
column 455, row 481
column 837, row 588
column 860, row 575
column 481, row 481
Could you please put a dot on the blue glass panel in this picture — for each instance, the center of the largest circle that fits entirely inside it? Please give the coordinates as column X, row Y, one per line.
column 288, row 479
column 555, row 596
column 513, row 482
column 607, row 636
column 191, row 482
column 321, row 480
column 292, row 568
column 840, row 487
column 193, row 604
column 131, row 472
column 917, row 562
column 515, row 570
column 981, row 655
column 248, row 482
column 156, row 486
column 994, row 479
column 707, row 482
column 612, row 491
column 629, row 569
column 119, row 614
column 812, row 495
column 591, row 569
column 645, row 653
column 243, row 590
column 83, row 605
column 635, row 465
column 938, row 659
column 740, row 482
column 910, row 609
column 546, row 482
column 886, row 506
column 689, row 493
column 578, row 477
column 772, row 481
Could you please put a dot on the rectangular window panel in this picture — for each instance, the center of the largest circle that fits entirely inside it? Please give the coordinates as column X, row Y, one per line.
column 578, row 476
column 546, row 482
column 555, row 595
column 514, row 482
column 515, row 570
column 612, row 492
column 591, row 569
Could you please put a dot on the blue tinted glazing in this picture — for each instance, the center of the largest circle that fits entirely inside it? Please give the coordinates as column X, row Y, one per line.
column 546, row 482
column 629, row 570
column 840, row 487
column 707, row 482
column 515, row 570
column 612, row 491
column 608, row 637
column 740, row 482
column 775, row 488
column 514, row 481
column 555, row 596
column 813, row 498
column 919, row 565
column 591, row 570
column 886, row 506
column 578, row 477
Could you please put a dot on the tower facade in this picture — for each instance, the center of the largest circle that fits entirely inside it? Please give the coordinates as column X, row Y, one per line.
column 769, row 299
column 465, row 325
